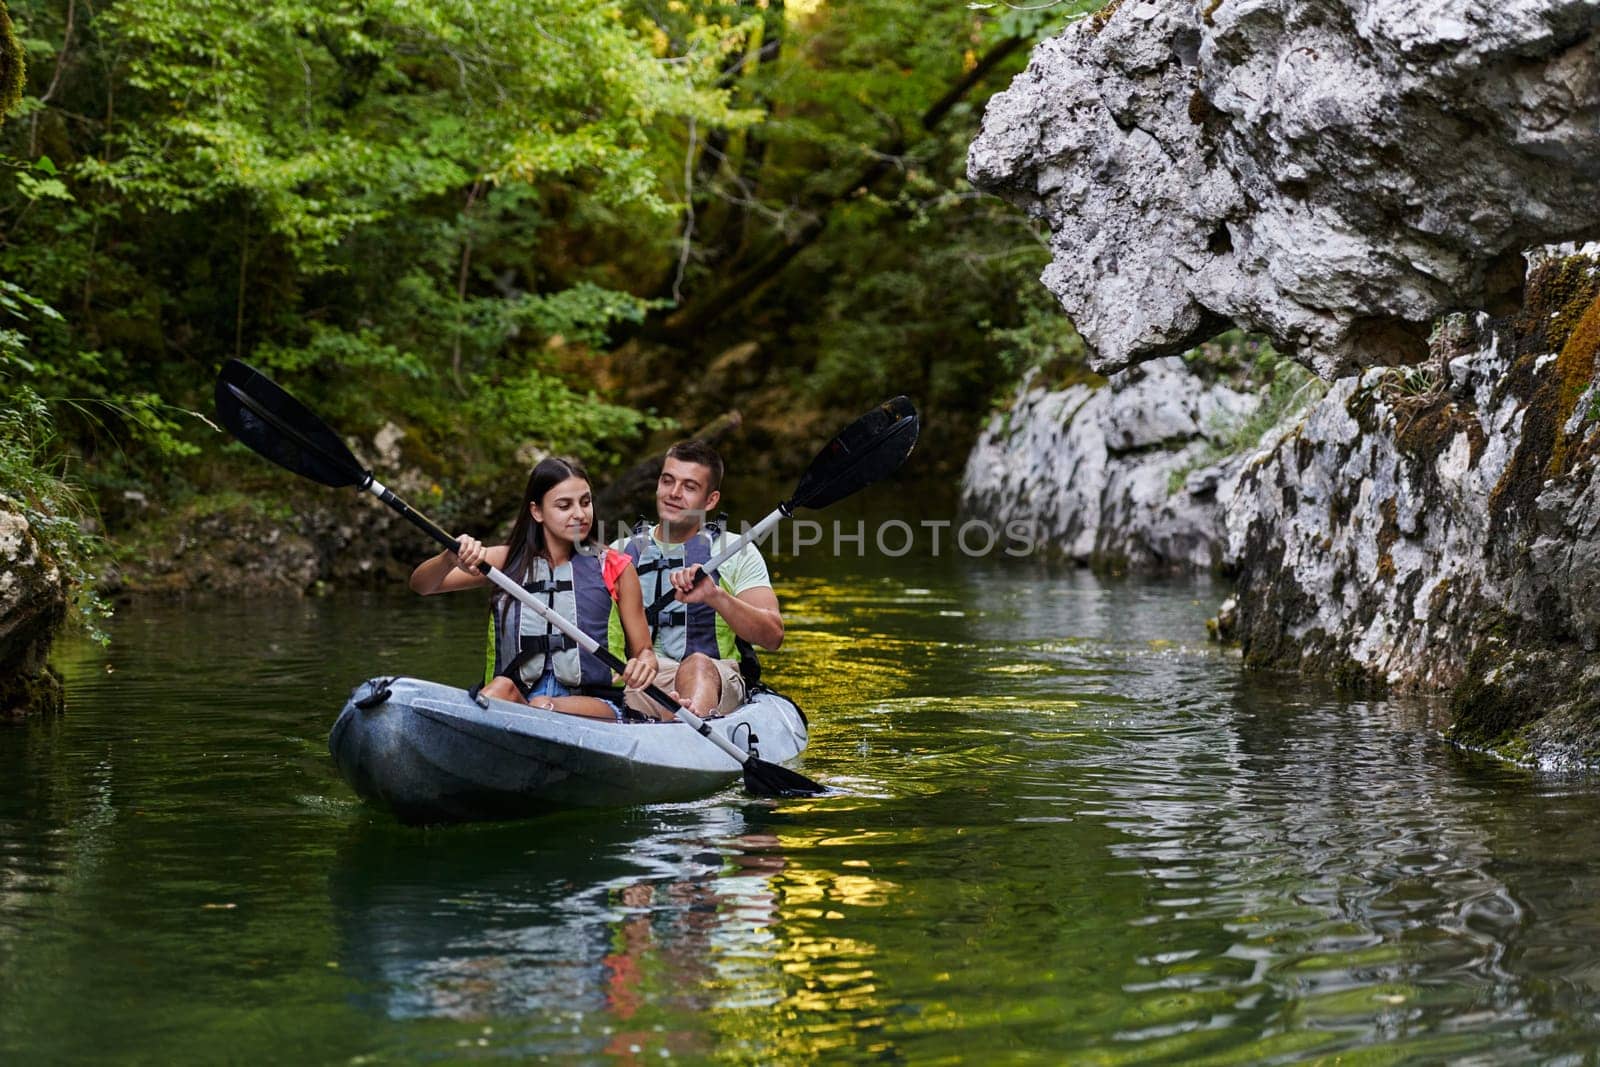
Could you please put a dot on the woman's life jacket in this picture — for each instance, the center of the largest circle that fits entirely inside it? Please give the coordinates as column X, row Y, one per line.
column 582, row 590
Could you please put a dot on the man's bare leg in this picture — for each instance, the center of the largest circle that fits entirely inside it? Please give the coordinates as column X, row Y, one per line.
column 700, row 683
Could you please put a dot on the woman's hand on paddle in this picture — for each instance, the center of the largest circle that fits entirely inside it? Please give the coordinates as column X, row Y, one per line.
column 640, row 671
column 469, row 553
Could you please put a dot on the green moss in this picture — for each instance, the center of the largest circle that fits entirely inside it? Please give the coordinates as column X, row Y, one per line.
column 1098, row 20
column 1574, row 372
column 1558, row 293
column 1502, row 691
column 1562, row 315
column 1353, row 678
column 1516, row 749
column 22, row 696
column 13, row 67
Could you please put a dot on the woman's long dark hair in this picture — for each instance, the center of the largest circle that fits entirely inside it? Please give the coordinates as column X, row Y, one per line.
column 527, row 540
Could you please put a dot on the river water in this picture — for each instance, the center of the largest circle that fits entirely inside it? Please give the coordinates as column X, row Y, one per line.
column 1067, row 830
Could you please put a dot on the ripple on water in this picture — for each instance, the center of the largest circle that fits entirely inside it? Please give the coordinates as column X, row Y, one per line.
column 1064, row 830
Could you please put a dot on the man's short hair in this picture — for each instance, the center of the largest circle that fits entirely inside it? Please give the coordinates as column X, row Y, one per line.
column 697, row 451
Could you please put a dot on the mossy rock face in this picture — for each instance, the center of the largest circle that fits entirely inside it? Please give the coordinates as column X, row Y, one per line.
column 23, row 696
column 13, row 69
column 33, row 607
column 271, row 535
column 223, row 543
column 1503, row 692
column 229, row 543
column 1540, row 707
column 1561, row 317
column 1438, row 528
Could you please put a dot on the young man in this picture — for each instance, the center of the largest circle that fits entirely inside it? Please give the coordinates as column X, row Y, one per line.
column 695, row 633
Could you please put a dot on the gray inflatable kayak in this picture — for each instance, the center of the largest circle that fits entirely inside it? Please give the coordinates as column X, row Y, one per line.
column 432, row 753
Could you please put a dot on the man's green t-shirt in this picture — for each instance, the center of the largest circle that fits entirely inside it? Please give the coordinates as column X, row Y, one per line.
column 747, row 570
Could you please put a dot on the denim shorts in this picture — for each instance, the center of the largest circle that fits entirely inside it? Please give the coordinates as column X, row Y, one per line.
column 549, row 686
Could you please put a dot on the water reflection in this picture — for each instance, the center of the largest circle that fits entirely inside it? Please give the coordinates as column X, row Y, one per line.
column 604, row 926
column 1272, row 869
column 1068, row 830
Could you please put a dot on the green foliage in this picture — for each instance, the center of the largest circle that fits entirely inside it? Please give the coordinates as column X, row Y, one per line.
column 1030, row 20
column 329, row 117
column 1249, row 362
column 916, row 283
column 441, row 214
column 1239, row 357
column 1413, row 380
column 534, row 409
column 1044, row 343
column 33, row 468
column 1289, row 389
column 360, row 198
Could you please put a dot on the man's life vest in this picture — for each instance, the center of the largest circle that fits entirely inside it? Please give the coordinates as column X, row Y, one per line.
column 679, row 629
column 582, row 590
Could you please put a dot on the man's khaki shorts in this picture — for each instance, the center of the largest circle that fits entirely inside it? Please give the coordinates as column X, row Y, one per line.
column 666, row 679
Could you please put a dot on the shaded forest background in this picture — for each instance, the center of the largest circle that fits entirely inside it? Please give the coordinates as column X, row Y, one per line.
column 504, row 228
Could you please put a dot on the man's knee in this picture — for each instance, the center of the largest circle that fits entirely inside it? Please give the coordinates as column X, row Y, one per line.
column 700, row 669
column 696, row 663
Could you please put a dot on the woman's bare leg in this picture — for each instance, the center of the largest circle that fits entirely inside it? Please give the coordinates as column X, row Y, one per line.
column 502, row 688
column 587, row 707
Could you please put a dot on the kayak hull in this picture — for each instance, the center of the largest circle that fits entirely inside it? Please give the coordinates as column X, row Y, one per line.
column 431, row 753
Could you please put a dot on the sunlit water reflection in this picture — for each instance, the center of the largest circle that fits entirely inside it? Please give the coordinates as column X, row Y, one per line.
column 1066, row 828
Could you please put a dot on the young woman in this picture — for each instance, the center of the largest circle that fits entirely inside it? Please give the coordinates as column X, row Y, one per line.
column 553, row 553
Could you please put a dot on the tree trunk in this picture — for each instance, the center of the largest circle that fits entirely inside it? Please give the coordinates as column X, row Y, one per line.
column 689, row 320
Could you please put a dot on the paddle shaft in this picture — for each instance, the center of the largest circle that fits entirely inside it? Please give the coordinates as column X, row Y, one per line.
column 513, row 588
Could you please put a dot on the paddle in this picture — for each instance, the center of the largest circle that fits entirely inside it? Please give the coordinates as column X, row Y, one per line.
column 280, row 428
column 872, row 447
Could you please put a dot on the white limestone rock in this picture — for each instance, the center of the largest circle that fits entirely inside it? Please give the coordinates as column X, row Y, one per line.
column 1334, row 173
column 1091, row 468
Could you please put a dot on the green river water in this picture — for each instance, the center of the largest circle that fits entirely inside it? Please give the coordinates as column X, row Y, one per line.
column 1067, row 830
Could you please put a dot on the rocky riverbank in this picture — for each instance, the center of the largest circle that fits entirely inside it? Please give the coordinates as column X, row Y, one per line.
column 1336, row 178
column 279, row 534
column 1428, row 528
column 33, row 605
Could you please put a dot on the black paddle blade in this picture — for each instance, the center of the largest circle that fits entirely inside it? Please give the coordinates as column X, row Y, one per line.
column 278, row 427
column 765, row 779
column 870, row 448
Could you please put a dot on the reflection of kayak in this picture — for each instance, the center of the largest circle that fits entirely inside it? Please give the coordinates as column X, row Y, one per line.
column 492, row 921
column 433, row 753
